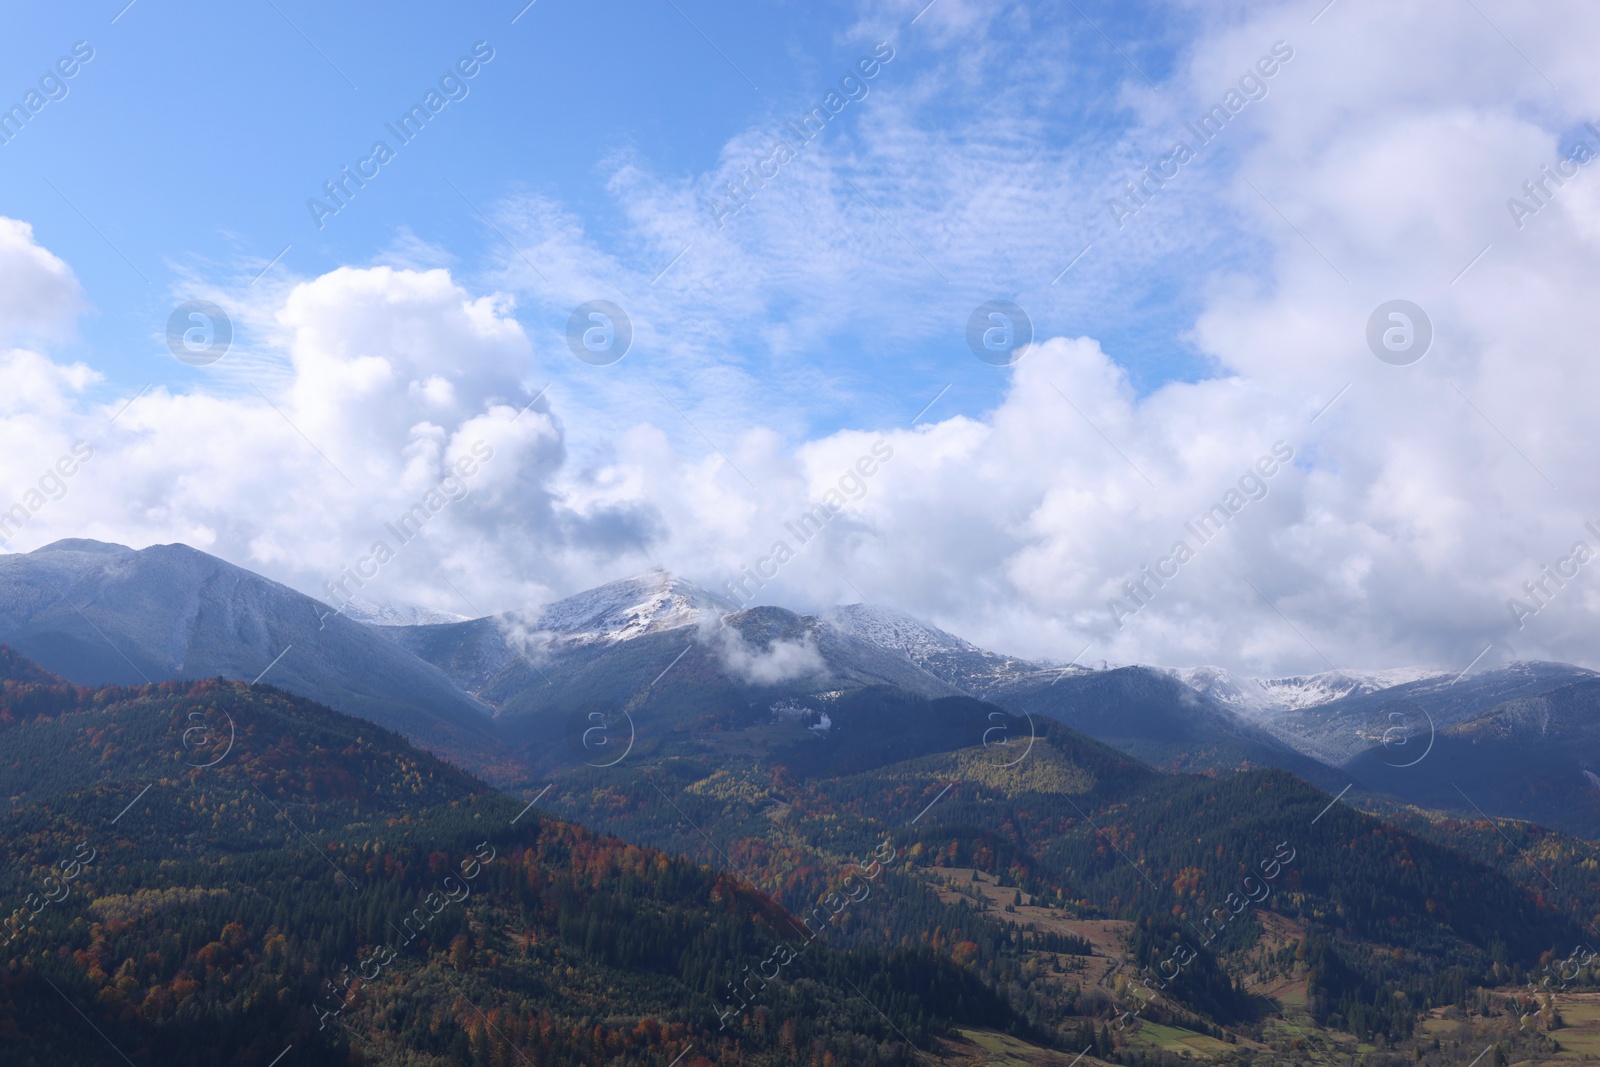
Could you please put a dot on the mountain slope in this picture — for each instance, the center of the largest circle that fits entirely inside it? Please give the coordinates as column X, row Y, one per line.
column 606, row 642
column 667, row 668
column 945, row 656
column 1534, row 757
column 1339, row 730
column 654, row 659
column 664, row 653
column 621, row 610
column 1263, row 696
column 289, row 877
column 96, row 613
column 1365, row 923
column 1155, row 717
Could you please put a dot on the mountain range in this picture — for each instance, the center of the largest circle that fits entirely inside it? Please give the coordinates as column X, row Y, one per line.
column 655, row 660
column 100, row 614
column 1004, row 857
column 211, row 871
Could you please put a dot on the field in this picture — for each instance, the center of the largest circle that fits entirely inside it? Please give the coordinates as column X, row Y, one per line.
column 989, row 1049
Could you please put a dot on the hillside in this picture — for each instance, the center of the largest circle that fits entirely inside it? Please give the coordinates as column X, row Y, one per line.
column 1155, row 717
column 512, row 696
column 1341, row 730
column 782, row 749
column 1533, row 756
column 980, row 881
column 208, row 872
column 99, row 614
column 1290, row 913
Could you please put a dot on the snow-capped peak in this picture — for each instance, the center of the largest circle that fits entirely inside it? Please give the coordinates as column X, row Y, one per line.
column 1261, row 695
column 621, row 610
column 897, row 632
column 396, row 613
column 1307, row 691
column 943, row 655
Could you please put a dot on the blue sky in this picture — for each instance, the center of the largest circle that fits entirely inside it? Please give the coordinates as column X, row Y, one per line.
column 191, row 142
column 1370, row 155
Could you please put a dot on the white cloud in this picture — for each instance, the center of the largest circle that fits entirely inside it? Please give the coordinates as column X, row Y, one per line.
column 781, row 661
column 394, row 377
column 41, row 297
column 1414, row 506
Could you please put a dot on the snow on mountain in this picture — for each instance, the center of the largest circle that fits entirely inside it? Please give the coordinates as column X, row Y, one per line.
column 1219, row 684
column 397, row 613
column 899, row 632
column 620, row 611
column 1263, row 696
column 1308, row 691
column 943, row 655
column 1338, row 730
column 490, row 657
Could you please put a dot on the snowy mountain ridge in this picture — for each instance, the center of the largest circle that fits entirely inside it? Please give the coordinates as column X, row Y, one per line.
column 1261, row 696
column 396, row 613
column 621, row 611
column 896, row 630
column 943, row 655
column 659, row 601
column 170, row 611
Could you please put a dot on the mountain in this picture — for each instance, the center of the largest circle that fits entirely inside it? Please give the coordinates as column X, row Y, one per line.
column 675, row 656
column 1338, row 730
column 1152, row 715
column 620, row 611
column 942, row 655
column 395, row 613
column 1358, row 931
column 98, row 614
column 208, row 872
column 1521, row 741
column 631, row 630
column 654, row 653
column 1262, row 696
column 514, row 695
column 1518, row 741
column 513, row 661
column 655, row 660
column 1534, row 757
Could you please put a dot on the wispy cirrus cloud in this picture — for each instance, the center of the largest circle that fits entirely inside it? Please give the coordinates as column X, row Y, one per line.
column 1228, row 313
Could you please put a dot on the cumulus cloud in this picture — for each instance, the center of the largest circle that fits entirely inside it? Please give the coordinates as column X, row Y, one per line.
column 1415, row 501
column 404, row 393
column 783, row 660
column 41, row 297
column 1416, row 505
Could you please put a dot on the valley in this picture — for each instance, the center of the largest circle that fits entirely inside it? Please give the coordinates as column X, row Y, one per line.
column 899, row 533
column 759, row 836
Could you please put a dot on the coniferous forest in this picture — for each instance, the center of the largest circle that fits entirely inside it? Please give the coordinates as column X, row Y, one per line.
column 211, row 872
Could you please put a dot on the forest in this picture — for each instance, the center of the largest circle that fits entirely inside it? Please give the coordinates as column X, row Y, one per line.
column 210, row 872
